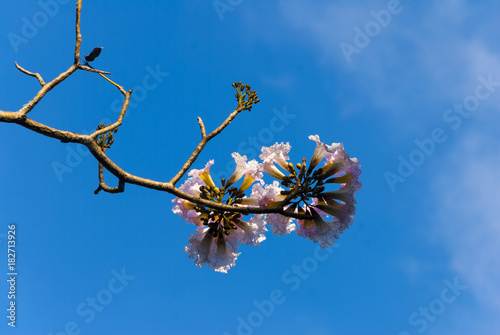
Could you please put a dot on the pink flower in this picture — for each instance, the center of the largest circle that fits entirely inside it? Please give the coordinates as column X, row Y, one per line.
column 278, row 153
column 219, row 252
column 251, row 171
column 206, row 249
column 271, row 196
column 303, row 190
column 308, row 191
column 192, row 185
column 318, row 230
column 321, row 150
column 321, row 231
column 251, row 232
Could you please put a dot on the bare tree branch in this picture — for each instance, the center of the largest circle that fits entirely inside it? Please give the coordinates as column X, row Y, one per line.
column 90, row 141
column 202, row 144
column 102, row 184
column 46, row 88
column 36, row 75
column 22, row 120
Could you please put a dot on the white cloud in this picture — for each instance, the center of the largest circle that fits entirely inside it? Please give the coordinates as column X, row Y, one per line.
column 427, row 54
column 468, row 202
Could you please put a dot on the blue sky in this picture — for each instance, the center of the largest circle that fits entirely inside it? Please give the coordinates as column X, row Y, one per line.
column 416, row 102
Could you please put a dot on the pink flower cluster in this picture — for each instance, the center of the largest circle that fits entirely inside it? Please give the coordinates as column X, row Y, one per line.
column 298, row 189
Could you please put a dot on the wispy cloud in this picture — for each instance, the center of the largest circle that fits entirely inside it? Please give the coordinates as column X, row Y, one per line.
column 467, row 193
column 435, row 50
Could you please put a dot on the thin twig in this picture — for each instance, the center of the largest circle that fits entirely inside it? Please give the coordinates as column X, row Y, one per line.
column 46, row 88
column 118, row 122
column 91, row 69
column 36, row 75
column 202, row 144
column 120, row 88
column 202, row 128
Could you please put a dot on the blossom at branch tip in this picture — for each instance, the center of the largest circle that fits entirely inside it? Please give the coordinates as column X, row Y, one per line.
column 340, row 204
column 339, row 163
column 339, row 168
column 324, row 194
column 305, row 191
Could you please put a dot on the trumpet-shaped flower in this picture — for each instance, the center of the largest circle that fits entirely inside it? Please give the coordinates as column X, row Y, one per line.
column 192, row 185
column 322, row 231
column 277, row 153
column 206, row 249
column 321, row 150
column 251, row 171
column 217, row 249
column 318, row 230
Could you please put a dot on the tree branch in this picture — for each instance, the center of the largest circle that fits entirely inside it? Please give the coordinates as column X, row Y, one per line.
column 125, row 177
column 36, row 75
column 78, row 42
column 202, row 144
column 102, row 184
column 46, row 88
column 202, row 128
column 90, row 141
column 91, row 69
column 62, row 135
